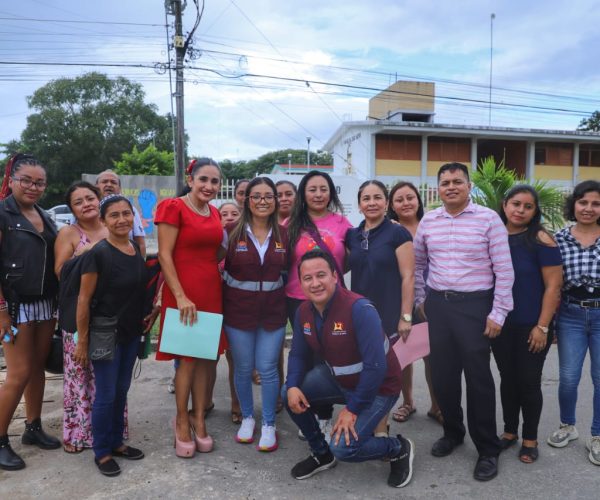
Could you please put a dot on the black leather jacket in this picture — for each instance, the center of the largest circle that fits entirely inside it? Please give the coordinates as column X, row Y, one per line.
column 23, row 252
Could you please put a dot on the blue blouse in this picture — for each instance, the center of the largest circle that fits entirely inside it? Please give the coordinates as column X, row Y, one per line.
column 374, row 268
column 528, row 289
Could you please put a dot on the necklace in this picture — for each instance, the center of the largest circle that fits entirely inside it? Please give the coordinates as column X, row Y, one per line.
column 203, row 213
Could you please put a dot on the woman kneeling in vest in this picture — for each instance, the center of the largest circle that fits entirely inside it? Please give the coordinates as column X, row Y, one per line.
column 254, row 306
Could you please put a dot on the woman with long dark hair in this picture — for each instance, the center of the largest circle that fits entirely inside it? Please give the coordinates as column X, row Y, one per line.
column 520, row 349
column 27, row 301
column 113, row 275
column 578, row 321
column 317, row 220
column 406, row 207
column 79, row 387
column 254, row 305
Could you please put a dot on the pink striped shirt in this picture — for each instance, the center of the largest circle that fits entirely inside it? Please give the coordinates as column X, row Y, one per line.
column 465, row 253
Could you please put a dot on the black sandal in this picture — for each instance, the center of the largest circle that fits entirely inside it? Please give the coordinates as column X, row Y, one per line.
column 109, row 468
column 129, row 452
column 528, row 454
column 506, row 443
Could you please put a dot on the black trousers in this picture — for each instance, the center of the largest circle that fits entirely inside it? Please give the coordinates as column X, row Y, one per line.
column 456, row 326
column 520, row 379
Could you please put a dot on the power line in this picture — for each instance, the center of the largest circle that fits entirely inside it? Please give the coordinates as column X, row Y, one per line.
column 71, row 21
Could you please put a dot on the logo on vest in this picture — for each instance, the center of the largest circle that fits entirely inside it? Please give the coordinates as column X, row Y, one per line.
column 242, row 246
column 306, row 329
column 338, row 328
column 279, row 248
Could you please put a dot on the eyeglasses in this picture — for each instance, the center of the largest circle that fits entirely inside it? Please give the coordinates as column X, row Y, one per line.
column 28, row 183
column 256, row 198
column 364, row 244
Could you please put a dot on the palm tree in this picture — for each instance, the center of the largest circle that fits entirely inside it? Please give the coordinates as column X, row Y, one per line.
column 491, row 182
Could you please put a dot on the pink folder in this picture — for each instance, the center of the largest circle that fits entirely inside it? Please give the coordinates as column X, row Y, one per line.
column 415, row 347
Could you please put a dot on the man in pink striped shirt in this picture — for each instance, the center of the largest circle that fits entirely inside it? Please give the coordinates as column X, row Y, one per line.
column 464, row 247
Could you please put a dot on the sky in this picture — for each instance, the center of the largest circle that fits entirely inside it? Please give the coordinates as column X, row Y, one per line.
column 265, row 75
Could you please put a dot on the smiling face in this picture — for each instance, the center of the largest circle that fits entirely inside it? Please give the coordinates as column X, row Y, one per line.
column 587, row 208
column 229, row 213
column 118, row 218
column 286, row 196
column 84, row 204
column 372, row 203
column 205, row 184
column 28, row 184
column 262, row 200
column 519, row 211
column 317, row 195
column 454, row 189
column 405, row 204
column 318, row 281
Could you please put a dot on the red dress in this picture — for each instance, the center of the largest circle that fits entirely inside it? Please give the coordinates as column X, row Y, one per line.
column 195, row 259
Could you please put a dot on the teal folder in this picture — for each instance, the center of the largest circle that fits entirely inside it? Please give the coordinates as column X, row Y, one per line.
column 200, row 340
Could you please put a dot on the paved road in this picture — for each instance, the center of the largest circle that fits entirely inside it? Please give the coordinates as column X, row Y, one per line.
column 239, row 471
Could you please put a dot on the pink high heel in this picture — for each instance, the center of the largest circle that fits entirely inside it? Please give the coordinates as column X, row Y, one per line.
column 183, row 449
column 205, row 444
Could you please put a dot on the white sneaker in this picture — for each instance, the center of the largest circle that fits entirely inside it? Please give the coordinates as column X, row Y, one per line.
column 326, row 427
column 564, row 434
column 245, row 433
column 593, row 445
column 268, row 438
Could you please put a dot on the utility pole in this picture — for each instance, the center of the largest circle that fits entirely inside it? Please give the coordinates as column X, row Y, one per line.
column 492, row 17
column 308, row 154
column 179, row 44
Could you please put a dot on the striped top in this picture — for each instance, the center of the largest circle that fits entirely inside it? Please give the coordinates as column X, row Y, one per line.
column 465, row 253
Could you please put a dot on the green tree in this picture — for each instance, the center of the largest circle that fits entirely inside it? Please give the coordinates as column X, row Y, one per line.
column 491, row 182
column 85, row 124
column 265, row 163
column 150, row 161
column 592, row 123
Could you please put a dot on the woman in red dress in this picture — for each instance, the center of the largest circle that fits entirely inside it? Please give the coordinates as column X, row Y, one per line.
column 189, row 238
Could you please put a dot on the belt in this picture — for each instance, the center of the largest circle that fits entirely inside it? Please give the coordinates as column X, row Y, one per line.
column 454, row 295
column 593, row 303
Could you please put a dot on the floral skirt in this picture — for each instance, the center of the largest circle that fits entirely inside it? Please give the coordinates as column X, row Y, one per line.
column 79, row 389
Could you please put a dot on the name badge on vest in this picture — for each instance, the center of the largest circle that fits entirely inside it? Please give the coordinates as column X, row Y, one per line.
column 338, row 328
column 306, row 329
column 242, row 246
column 279, row 248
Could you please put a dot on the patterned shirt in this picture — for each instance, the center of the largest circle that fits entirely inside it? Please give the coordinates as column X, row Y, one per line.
column 581, row 265
column 466, row 252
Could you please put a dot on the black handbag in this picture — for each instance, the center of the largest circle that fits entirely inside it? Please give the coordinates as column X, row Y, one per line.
column 103, row 337
column 54, row 361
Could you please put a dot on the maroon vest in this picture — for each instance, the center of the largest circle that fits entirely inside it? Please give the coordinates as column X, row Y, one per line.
column 253, row 293
column 338, row 346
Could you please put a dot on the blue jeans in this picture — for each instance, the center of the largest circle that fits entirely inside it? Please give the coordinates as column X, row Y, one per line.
column 320, row 388
column 256, row 349
column 578, row 330
column 113, row 379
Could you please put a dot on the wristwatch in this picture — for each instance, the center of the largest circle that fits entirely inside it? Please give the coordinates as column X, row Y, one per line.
column 543, row 328
column 407, row 317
